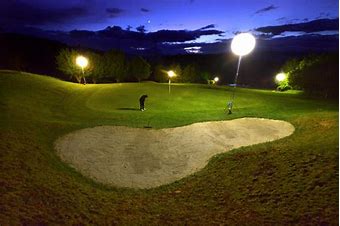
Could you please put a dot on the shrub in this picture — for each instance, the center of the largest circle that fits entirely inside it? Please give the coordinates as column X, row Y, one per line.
column 315, row 75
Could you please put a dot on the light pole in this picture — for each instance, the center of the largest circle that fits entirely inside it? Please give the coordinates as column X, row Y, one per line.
column 82, row 62
column 241, row 45
column 170, row 74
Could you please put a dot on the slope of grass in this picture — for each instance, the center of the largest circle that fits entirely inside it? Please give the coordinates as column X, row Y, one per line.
column 289, row 181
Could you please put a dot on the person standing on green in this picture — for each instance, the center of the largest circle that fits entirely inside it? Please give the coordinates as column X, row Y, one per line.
column 141, row 102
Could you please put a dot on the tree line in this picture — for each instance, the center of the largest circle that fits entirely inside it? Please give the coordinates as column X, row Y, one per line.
column 109, row 66
column 314, row 74
column 115, row 66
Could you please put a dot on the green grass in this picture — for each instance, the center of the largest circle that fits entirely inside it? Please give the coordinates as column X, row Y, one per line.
column 290, row 181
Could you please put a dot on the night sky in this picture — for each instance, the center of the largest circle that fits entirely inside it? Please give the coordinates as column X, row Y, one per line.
column 190, row 21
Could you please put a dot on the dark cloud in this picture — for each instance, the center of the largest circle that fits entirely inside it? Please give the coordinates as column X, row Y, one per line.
column 172, row 42
column 20, row 14
column 208, row 27
column 308, row 27
column 291, row 21
column 114, row 12
column 238, row 32
column 302, row 43
column 116, row 32
column 119, row 38
column 266, row 9
column 264, row 36
column 281, row 19
column 144, row 10
column 181, row 35
column 130, row 41
column 298, row 44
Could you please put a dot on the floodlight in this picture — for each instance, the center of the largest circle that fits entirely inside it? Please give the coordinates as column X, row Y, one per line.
column 82, row 61
column 280, row 77
column 171, row 74
column 242, row 44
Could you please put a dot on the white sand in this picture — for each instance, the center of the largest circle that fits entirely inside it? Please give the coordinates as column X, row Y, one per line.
column 145, row 158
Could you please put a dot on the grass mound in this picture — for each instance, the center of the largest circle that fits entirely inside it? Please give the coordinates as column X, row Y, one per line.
column 290, row 181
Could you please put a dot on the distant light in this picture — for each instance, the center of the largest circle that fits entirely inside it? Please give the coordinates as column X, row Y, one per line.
column 243, row 44
column 82, row 61
column 171, row 74
column 280, row 77
column 140, row 48
column 216, row 79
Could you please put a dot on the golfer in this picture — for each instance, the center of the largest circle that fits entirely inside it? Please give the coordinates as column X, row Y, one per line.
column 141, row 102
column 229, row 107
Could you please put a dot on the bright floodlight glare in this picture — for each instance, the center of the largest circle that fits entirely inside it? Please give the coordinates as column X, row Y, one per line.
column 82, row 61
column 171, row 74
column 216, row 79
column 243, row 44
column 280, row 77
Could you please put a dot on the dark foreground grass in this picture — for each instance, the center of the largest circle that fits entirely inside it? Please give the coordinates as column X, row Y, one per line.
column 289, row 181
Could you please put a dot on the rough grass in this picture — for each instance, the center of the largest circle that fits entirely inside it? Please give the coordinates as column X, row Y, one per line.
column 289, row 181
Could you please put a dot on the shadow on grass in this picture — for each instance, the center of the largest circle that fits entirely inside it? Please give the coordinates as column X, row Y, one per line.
column 129, row 109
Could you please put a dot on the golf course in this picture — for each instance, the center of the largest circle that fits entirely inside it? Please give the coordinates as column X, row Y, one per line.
column 289, row 178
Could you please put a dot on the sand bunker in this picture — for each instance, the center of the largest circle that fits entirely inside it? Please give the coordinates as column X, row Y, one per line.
column 145, row 158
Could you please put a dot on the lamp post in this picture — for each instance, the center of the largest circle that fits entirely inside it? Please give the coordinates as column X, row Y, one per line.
column 280, row 77
column 82, row 62
column 216, row 79
column 170, row 74
column 241, row 45
column 281, row 81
